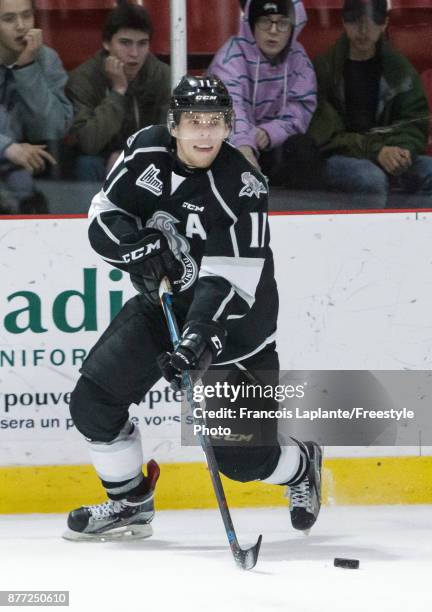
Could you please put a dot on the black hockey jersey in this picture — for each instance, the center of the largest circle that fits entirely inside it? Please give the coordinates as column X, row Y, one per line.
column 215, row 221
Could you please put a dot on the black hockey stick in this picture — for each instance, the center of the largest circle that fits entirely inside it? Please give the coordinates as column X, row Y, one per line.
column 246, row 559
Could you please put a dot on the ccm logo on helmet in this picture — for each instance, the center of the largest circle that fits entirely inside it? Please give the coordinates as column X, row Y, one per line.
column 141, row 252
column 205, row 98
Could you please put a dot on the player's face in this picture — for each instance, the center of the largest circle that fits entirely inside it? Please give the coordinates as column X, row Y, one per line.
column 130, row 47
column 268, row 36
column 200, row 137
column 16, row 19
column 363, row 35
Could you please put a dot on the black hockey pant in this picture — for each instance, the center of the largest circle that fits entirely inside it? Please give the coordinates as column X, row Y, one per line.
column 121, row 368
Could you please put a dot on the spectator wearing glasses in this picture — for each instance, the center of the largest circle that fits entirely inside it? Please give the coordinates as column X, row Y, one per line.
column 372, row 116
column 272, row 83
column 120, row 90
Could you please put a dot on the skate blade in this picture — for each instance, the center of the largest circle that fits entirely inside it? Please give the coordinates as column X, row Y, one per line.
column 126, row 533
column 306, row 532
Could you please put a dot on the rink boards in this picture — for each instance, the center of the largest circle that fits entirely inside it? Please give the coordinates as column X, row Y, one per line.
column 355, row 293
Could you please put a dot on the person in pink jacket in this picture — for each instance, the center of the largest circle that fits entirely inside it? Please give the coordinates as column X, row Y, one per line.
column 273, row 86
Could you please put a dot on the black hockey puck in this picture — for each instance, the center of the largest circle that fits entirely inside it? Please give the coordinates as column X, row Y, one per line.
column 347, row 563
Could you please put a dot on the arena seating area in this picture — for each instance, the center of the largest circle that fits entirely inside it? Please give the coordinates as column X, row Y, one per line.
column 73, row 28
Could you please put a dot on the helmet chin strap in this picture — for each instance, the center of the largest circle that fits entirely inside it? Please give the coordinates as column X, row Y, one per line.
column 183, row 165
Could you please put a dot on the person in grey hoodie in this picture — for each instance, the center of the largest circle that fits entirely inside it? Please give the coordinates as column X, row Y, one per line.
column 33, row 106
column 272, row 83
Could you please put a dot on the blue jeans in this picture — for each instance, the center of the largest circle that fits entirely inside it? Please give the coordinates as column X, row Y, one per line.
column 368, row 185
column 90, row 168
column 16, row 185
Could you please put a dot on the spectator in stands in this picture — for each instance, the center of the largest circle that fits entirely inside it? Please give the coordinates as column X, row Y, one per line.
column 426, row 78
column 273, row 86
column 371, row 120
column 33, row 106
column 120, row 90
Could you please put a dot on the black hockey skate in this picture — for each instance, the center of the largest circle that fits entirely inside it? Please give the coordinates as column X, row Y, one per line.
column 127, row 518
column 305, row 496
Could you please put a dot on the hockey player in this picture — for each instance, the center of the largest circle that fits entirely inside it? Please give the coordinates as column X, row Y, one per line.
column 183, row 203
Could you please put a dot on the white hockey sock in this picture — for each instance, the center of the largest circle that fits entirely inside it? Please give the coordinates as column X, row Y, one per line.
column 287, row 466
column 120, row 460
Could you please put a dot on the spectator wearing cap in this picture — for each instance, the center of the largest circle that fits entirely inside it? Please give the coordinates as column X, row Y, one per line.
column 371, row 122
column 120, row 90
column 272, row 83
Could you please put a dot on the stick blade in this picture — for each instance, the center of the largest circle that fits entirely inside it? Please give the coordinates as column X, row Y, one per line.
column 247, row 559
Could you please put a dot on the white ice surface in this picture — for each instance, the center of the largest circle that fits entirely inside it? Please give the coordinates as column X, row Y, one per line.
column 187, row 566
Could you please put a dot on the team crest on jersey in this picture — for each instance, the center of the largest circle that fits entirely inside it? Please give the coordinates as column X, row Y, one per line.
column 149, row 180
column 178, row 244
column 252, row 186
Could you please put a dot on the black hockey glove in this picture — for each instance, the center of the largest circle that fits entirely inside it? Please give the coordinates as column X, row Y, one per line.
column 148, row 259
column 199, row 346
